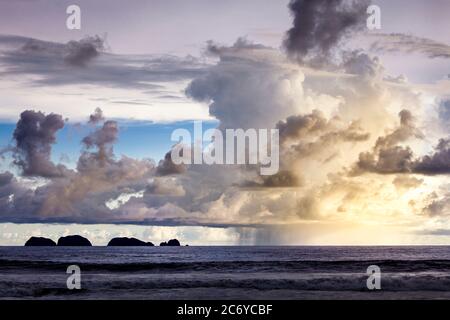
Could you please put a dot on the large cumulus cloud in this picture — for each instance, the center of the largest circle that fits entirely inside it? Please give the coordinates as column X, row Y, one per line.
column 34, row 136
column 388, row 156
column 248, row 87
column 69, row 195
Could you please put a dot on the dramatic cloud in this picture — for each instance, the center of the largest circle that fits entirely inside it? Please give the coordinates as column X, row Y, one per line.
column 296, row 126
column 357, row 62
column 315, row 124
column 86, row 62
column 68, row 195
column 248, row 87
column 167, row 167
column 438, row 162
column 387, row 156
column 313, row 140
column 406, row 130
column 405, row 43
column 320, row 25
column 102, row 139
column 335, row 126
column 79, row 53
column 34, row 136
column 323, row 127
column 74, row 53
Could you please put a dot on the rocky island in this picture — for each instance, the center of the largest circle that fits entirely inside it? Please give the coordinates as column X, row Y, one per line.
column 74, row 241
column 40, row 242
column 170, row 243
column 128, row 242
column 79, row 241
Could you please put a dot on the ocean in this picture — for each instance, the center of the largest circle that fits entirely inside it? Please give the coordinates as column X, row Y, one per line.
column 232, row 272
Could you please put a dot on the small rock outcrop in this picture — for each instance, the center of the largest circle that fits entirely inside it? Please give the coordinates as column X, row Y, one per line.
column 74, row 241
column 40, row 242
column 170, row 243
column 128, row 242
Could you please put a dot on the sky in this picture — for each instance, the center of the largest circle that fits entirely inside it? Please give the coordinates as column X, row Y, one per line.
column 86, row 118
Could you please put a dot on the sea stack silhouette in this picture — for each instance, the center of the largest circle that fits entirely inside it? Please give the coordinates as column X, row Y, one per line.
column 40, row 242
column 74, row 241
column 170, row 243
column 128, row 242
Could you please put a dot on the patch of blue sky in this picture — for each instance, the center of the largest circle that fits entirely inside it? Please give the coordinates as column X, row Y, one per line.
column 136, row 140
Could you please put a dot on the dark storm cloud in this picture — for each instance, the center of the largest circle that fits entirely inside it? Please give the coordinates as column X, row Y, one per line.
column 399, row 159
column 296, row 126
column 86, row 62
column 74, row 53
column 167, row 167
column 34, row 136
column 436, row 163
column 320, row 25
column 79, row 53
column 241, row 43
column 398, row 42
column 387, row 157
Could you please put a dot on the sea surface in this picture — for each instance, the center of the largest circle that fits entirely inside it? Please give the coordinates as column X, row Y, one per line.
column 225, row 272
